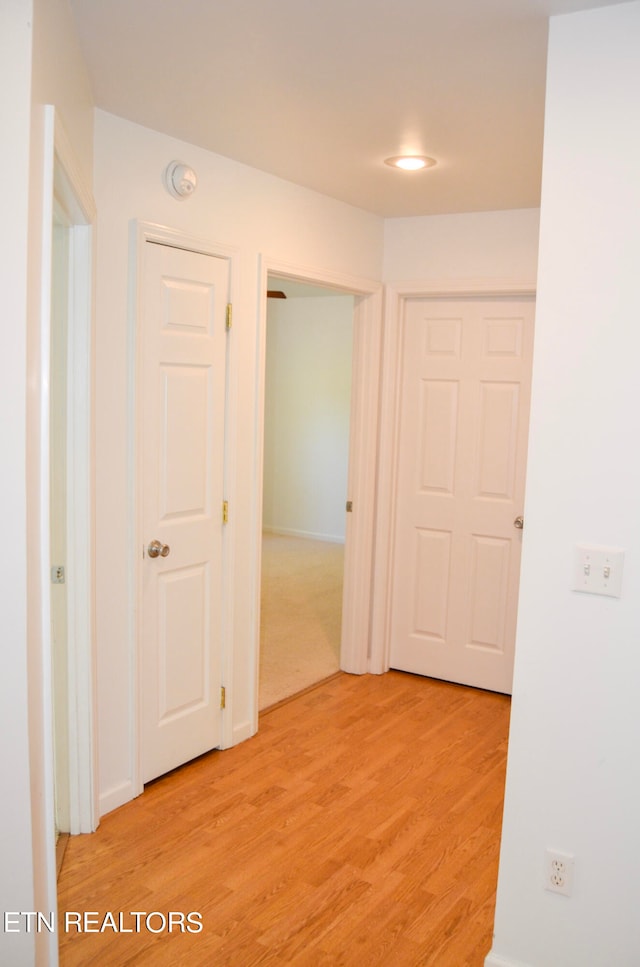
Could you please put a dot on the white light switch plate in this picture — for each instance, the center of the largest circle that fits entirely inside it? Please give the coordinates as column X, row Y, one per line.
column 598, row 570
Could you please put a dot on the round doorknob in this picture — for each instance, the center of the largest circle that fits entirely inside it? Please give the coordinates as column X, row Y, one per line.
column 158, row 549
column 519, row 523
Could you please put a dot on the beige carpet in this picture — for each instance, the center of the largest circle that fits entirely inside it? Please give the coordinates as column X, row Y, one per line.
column 301, row 614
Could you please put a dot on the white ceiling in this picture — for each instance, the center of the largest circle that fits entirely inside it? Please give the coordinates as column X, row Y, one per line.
column 320, row 92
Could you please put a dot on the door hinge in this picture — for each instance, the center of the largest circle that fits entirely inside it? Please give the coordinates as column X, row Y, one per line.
column 223, row 697
column 225, row 511
column 349, row 506
column 57, row 574
column 229, row 317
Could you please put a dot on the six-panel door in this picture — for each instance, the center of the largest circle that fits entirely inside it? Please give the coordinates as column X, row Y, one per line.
column 465, row 386
column 182, row 419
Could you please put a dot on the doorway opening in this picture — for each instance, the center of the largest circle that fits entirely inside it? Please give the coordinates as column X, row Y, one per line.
column 308, row 390
column 67, row 491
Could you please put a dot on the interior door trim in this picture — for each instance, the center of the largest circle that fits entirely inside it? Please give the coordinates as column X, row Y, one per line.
column 65, row 186
column 59, row 179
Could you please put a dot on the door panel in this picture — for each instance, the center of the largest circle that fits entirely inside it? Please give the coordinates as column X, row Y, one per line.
column 183, row 676
column 183, row 350
column 466, row 369
column 185, row 457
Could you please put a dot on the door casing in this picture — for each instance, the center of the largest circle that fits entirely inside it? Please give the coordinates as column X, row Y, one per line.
column 73, row 197
column 56, row 174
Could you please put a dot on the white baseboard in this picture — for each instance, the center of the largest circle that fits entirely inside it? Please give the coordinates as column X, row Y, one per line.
column 495, row 960
column 124, row 792
column 290, row 532
column 115, row 797
column 242, row 732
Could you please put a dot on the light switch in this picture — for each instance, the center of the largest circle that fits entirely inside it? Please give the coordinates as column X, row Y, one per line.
column 598, row 570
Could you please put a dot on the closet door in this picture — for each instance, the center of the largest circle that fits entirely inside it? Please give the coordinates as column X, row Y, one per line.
column 183, row 363
column 466, row 373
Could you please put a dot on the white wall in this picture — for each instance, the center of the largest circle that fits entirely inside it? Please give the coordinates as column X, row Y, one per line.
column 574, row 768
column 255, row 213
column 16, row 871
column 27, row 30
column 60, row 77
column 479, row 246
column 307, row 409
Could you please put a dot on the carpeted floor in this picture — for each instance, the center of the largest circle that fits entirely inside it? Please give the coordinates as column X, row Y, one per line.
column 301, row 614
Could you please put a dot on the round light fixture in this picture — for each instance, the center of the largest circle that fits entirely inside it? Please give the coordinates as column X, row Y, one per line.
column 411, row 162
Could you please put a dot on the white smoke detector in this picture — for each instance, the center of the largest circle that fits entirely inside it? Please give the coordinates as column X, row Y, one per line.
column 180, row 179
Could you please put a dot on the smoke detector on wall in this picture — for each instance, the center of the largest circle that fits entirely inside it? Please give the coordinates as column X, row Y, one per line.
column 180, row 179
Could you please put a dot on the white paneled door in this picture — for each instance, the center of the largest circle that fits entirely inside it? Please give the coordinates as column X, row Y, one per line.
column 183, row 372
column 464, row 414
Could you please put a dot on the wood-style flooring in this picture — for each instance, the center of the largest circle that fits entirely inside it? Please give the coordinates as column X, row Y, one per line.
column 360, row 827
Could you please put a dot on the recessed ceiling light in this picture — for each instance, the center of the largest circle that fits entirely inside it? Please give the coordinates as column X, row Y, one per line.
column 410, row 162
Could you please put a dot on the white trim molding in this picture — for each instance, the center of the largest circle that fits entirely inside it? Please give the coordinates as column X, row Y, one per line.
column 396, row 295
column 495, row 960
column 56, row 184
column 77, row 200
column 64, row 183
column 308, row 535
column 360, row 544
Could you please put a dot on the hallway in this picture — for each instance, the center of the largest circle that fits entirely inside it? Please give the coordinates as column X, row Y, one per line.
column 360, row 826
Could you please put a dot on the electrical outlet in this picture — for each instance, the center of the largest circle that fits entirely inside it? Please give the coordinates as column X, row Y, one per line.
column 558, row 872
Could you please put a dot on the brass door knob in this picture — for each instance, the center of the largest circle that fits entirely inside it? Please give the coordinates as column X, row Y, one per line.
column 158, row 549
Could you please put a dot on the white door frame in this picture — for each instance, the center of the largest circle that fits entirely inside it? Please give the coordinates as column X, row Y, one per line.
column 396, row 295
column 64, row 182
column 363, row 455
column 56, row 174
column 141, row 234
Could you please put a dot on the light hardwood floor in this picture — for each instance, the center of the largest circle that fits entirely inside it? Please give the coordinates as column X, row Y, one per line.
column 359, row 827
